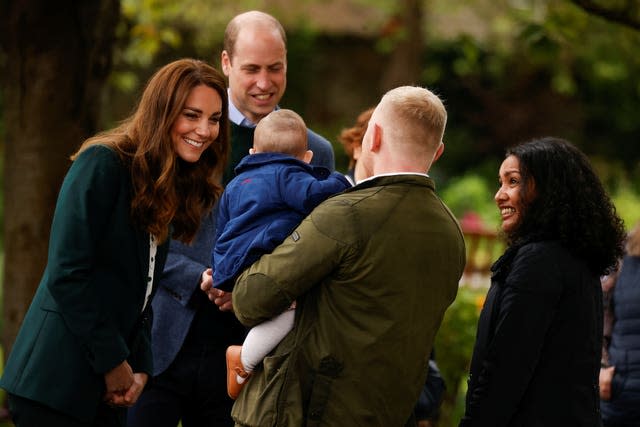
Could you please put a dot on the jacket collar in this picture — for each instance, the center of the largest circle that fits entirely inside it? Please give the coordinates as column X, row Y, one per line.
column 251, row 161
column 389, row 179
column 501, row 267
column 503, row 264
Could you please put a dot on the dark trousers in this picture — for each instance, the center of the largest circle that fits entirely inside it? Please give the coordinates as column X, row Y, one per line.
column 193, row 389
column 29, row 413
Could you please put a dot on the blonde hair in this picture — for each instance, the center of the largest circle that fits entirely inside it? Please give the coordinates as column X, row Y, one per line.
column 281, row 131
column 418, row 112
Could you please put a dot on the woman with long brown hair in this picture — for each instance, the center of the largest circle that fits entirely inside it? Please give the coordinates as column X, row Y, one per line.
column 83, row 352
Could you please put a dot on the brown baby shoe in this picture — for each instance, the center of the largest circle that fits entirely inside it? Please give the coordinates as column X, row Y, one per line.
column 235, row 369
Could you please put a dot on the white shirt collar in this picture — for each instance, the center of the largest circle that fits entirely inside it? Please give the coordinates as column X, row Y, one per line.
column 393, row 174
column 237, row 117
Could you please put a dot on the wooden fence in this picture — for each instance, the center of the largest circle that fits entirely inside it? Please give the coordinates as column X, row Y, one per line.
column 483, row 249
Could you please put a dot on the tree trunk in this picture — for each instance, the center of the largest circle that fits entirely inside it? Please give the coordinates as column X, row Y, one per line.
column 58, row 57
column 405, row 31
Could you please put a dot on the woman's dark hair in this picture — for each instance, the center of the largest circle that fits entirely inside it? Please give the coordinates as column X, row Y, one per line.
column 570, row 203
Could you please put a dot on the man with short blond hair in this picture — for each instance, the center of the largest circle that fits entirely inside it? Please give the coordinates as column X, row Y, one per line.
column 372, row 270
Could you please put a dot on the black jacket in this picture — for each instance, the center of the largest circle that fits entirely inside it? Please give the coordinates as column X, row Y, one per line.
column 537, row 353
column 624, row 350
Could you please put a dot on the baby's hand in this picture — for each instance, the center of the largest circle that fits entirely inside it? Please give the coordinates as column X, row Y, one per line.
column 221, row 298
column 206, row 281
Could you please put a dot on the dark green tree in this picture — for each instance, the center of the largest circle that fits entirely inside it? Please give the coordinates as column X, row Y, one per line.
column 625, row 12
column 57, row 58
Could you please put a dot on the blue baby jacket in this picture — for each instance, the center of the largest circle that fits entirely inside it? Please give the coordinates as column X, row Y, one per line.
column 270, row 195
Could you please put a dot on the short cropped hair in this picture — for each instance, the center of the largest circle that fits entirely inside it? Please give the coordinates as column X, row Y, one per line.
column 281, row 131
column 420, row 111
column 255, row 18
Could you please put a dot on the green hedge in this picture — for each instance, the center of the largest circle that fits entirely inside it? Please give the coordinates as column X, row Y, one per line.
column 453, row 348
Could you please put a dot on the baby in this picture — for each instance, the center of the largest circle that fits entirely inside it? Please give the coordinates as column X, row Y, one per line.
column 275, row 188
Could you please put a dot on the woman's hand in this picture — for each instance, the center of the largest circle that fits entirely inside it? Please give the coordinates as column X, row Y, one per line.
column 117, row 382
column 119, row 379
column 129, row 397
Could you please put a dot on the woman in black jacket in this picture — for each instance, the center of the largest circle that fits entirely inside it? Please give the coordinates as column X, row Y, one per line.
column 537, row 353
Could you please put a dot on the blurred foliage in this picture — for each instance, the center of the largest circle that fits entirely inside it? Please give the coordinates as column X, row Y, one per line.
column 2, row 133
column 471, row 193
column 509, row 70
column 627, row 204
column 624, row 12
column 540, row 68
column 453, row 349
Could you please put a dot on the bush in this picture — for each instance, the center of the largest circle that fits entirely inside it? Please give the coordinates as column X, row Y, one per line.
column 471, row 193
column 627, row 203
column 454, row 346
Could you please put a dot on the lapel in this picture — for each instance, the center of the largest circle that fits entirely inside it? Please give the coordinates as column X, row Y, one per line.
column 142, row 242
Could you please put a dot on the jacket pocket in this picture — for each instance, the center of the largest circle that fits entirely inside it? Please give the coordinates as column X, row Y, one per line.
column 257, row 404
column 329, row 369
column 617, row 383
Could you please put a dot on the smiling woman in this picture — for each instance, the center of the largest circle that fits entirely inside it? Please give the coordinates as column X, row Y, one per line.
column 537, row 354
column 198, row 125
column 512, row 197
column 129, row 189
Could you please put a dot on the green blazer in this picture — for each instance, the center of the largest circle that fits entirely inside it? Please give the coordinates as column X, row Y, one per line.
column 86, row 316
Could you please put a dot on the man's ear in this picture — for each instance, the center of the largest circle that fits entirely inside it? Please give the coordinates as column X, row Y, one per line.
column 439, row 151
column 376, row 140
column 225, row 61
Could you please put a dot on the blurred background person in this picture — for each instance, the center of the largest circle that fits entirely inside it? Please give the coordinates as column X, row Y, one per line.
column 620, row 368
column 351, row 140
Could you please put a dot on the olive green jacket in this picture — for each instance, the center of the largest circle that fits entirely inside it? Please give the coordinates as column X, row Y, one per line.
column 86, row 316
column 372, row 270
